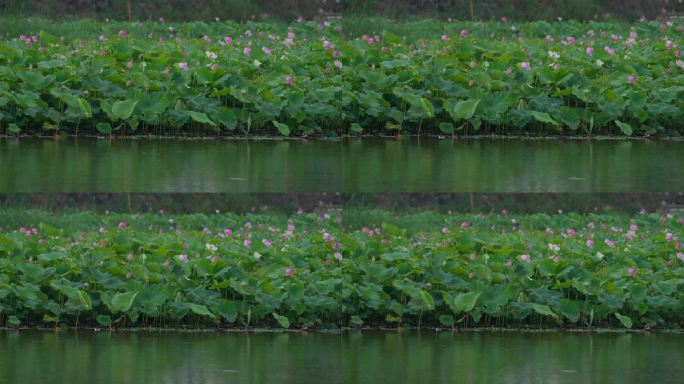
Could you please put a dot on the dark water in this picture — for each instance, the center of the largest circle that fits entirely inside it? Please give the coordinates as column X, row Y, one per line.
column 352, row 165
column 368, row 357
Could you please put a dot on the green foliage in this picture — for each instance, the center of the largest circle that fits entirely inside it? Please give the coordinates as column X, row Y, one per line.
column 409, row 80
column 374, row 268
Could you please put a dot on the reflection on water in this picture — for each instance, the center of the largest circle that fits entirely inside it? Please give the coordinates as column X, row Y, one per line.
column 349, row 165
column 350, row 357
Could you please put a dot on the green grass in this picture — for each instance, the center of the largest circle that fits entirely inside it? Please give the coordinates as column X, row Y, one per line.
column 345, row 269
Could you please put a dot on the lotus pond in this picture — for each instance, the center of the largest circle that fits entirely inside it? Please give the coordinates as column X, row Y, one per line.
column 345, row 165
column 344, row 357
column 318, row 79
column 348, row 268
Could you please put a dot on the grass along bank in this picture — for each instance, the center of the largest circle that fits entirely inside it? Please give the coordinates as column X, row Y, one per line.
column 225, row 78
column 344, row 269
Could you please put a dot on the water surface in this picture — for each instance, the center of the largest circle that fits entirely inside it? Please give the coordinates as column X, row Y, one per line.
column 345, row 165
column 350, row 357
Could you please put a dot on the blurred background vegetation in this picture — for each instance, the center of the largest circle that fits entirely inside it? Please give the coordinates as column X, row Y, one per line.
column 182, row 10
column 288, row 203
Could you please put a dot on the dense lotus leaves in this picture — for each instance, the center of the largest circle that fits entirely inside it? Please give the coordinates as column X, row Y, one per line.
column 337, row 270
column 269, row 78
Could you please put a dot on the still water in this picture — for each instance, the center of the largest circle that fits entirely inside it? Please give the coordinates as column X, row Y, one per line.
column 348, row 357
column 345, row 165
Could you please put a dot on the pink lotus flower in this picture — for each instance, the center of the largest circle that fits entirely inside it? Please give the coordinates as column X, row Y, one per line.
column 680, row 256
column 247, row 243
column 445, row 37
column 445, row 230
column 571, row 40
column 509, row 263
column 183, row 258
column 464, row 33
column 338, row 256
column 526, row 258
column 214, row 259
column 123, row 33
column 465, row 225
column 129, row 65
column 609, row 243
column 183, row 65
column 610, row 51
column 288, row 80
column 129, row 257
column 338, row 64
column 473, row 64
column 103, row 38
column 247, row 51
column 590, row 243
column 590, row 51
column 631, row 80
column 526, row 65
column 289, row 271
column 267, row 243
column 631, row 272
column 122, row 225
column 669, row 45
column 103, row 230
column 266, row 51
column 680, row 64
